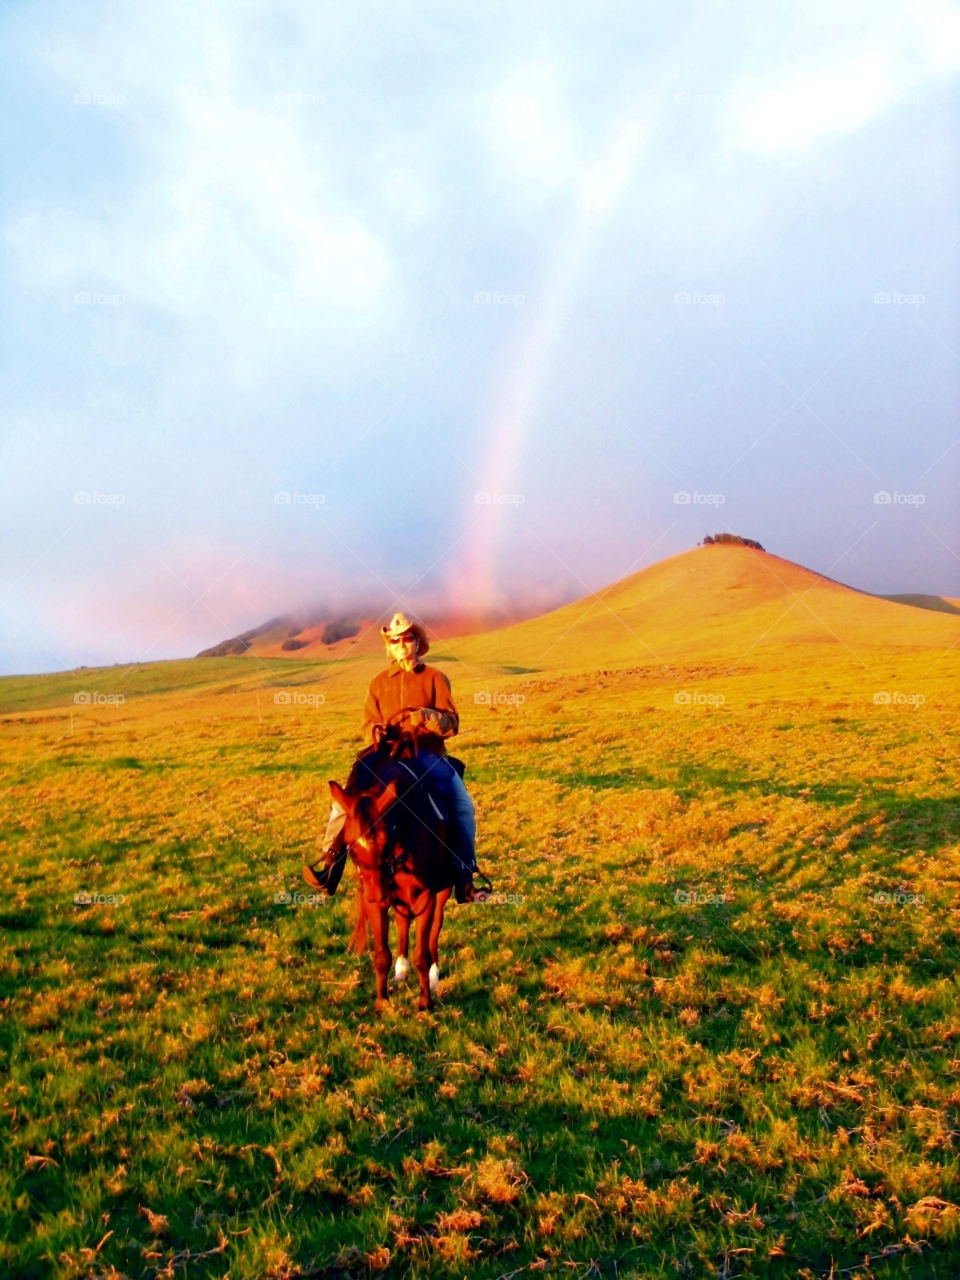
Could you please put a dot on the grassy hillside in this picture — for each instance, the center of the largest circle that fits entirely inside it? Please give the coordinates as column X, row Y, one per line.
column 91, row 687
column 715, row 601
column 709, row 1027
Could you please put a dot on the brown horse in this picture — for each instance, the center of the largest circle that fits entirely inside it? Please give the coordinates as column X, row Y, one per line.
column 398, row 873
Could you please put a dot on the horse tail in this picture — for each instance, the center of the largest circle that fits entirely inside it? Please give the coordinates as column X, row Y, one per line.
column 358, row 939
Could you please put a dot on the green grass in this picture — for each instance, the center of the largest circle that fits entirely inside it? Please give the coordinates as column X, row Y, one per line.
column 203, row 675
column 694, row 1042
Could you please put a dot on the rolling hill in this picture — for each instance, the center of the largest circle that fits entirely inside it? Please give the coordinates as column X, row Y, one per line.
column 720, row 601
column 941, row 604
column 327, row 634
column 714, row 601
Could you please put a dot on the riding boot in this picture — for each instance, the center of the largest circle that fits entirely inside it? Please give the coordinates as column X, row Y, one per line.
column 463, row 889
column 462, row 868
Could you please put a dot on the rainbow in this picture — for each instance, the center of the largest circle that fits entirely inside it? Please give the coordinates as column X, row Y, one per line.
column 476, row 577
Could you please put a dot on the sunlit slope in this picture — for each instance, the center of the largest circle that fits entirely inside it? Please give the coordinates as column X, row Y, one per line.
column 713, row 601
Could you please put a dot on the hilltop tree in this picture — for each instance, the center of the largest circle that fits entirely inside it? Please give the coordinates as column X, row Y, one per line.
column 731, row 539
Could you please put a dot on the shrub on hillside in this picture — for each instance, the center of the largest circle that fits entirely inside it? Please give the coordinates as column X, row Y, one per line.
column 339, row 629
column 731, row 539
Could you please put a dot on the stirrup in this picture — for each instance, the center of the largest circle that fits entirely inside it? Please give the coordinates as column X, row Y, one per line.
column 316, row 879
column 469, row 890
column 478, row 875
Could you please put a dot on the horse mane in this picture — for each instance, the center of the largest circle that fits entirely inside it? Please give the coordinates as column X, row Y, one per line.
column 364, row 809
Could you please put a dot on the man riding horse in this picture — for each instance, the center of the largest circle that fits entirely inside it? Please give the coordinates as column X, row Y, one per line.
column 416, row 698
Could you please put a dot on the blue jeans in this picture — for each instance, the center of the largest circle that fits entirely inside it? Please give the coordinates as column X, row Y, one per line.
column 447, row 785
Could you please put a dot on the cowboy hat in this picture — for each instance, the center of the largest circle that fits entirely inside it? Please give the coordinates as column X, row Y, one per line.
column 399, row 624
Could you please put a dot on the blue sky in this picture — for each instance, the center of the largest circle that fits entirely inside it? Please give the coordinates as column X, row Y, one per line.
column 464, row 304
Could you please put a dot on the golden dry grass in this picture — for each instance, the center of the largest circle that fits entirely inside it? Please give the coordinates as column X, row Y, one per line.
column 709, row 1027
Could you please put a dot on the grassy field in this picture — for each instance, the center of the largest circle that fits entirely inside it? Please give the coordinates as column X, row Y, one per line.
column 709, row 1028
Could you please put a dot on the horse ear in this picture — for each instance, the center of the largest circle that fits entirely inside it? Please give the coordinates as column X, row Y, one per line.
column 339, row 795
column 386, row 798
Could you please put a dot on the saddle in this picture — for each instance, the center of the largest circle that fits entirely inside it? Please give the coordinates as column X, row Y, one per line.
column 417, row 816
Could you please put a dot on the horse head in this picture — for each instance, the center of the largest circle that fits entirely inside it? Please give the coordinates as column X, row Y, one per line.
column 365, row 835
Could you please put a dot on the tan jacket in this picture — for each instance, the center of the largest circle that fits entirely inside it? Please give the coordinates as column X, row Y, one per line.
column 396, row 690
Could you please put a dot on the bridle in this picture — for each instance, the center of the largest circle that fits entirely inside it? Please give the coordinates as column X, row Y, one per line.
column 388, row 864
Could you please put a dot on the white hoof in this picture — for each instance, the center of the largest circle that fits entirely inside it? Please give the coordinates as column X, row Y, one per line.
column 401, row 969
column 434, row 977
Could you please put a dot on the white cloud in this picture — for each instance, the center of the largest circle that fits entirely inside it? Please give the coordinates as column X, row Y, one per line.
column 875, row 60
column 525, row 123
column 249, row 172
column 230, row 198
column 405, row 196
column 603, row 182
column 784, row 113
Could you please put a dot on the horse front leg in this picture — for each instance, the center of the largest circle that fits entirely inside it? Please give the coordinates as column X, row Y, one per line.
column 421, row 954
column 379, row 918
column 403, row 943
